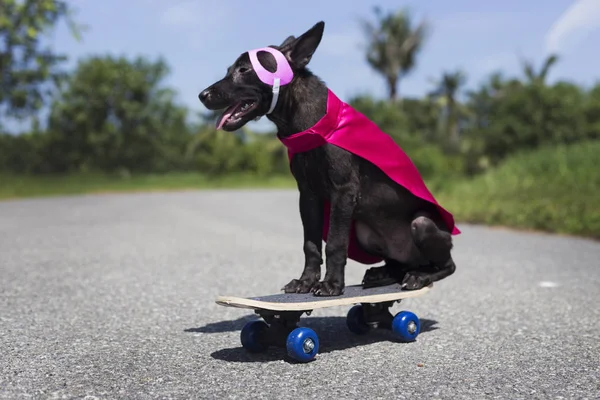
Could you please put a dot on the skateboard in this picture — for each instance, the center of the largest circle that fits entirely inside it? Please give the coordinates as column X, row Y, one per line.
column 281, row 313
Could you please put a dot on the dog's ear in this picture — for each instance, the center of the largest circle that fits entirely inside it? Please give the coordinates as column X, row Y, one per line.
column 288, row 41
column 300, row 51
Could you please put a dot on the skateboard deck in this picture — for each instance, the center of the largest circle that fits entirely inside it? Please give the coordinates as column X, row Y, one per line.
column 305, row 302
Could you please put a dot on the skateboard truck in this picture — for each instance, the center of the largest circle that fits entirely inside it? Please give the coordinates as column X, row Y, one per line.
column 378, row 315
column 280, row 329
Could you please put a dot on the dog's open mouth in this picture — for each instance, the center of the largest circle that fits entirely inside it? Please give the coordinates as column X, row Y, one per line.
column 234, row 114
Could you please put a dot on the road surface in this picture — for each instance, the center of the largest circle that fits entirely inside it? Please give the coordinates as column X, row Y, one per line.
column 112, row 297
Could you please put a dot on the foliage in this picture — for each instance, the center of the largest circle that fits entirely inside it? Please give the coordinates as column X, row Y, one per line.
column 525, row 116
column 554, row 188
column 24, row 65
column 446, row 92
column 22, row 153
column 217, row 154
column 114, row 114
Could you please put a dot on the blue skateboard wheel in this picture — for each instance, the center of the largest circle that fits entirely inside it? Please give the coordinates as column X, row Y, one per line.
column 251, row 336
column 406, row 326
column 355, row 321
column 302, row 344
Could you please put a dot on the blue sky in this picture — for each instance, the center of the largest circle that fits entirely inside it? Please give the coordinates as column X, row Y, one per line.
column 200, row 38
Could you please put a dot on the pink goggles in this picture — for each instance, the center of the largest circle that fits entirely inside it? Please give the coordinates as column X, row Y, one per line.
column 283, row 72
column 282, row 76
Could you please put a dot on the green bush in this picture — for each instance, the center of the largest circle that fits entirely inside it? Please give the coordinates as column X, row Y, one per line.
column 555, row 189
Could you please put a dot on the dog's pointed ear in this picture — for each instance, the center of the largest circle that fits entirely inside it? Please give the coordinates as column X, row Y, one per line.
column 287, row 42
column 300, row 51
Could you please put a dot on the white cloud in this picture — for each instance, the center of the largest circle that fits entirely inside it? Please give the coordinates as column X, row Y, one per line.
column 579, row 20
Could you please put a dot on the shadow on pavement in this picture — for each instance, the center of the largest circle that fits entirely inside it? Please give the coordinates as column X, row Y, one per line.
column 332, row 331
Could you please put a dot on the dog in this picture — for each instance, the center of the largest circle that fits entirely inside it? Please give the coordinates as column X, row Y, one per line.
column 344, row 199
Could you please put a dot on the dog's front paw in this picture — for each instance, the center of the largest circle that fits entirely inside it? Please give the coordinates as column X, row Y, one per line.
column 300, row 285
column 416, row 280
column 327, row 288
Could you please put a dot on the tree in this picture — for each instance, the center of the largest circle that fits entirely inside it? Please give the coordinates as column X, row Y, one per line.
column 392, row 45
column 115, row 114
column 540, row 77
column 447, row 90
column 592, row 112
column 527, row 116
column 26, row 68
column 422, row 116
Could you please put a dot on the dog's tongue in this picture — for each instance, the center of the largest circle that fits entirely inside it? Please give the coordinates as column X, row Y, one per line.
column 225, row 116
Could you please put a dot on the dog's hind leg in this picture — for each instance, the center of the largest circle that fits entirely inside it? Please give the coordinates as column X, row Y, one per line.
column 391, row 272
column 435, row 246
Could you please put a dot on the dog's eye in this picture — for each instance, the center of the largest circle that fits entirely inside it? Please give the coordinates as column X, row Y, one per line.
column 242, row 70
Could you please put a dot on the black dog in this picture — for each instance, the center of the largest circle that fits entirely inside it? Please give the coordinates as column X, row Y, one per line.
column 392, row 223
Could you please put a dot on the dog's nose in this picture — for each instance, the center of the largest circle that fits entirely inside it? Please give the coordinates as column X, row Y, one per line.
column 203, row 96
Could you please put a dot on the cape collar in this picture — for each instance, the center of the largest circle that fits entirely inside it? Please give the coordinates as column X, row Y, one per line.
column 316, row 135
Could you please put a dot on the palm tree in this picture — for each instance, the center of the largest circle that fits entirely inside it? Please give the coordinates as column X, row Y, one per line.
column 536, row 87
column 392, row 45
column 447, row 90
column 542, row 75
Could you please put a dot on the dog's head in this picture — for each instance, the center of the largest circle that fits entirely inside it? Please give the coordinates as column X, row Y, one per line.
column 243, row 92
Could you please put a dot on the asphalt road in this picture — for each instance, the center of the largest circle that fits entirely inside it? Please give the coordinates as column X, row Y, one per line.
column 112, row 297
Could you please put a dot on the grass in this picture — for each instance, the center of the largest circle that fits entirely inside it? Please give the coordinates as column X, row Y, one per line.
column 552, row 189
column 12, row 186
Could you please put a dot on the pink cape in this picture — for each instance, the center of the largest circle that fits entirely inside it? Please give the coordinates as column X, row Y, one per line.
column 347, row 128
